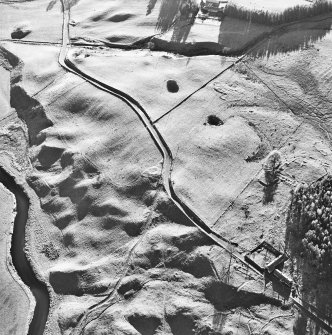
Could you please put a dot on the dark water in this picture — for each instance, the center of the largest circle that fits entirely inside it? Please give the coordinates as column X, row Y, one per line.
column 20, row 261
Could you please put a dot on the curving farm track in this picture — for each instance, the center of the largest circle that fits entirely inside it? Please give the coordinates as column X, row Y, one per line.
column 159, row 141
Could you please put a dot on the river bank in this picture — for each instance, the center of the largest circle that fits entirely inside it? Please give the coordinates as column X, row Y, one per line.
column 20, row 260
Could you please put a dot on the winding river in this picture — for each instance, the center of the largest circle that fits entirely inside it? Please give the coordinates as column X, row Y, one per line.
column 20, row 261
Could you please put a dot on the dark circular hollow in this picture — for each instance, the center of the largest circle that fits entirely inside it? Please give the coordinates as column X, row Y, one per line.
column 172, row 86
column 214, row 120
column 20, row 33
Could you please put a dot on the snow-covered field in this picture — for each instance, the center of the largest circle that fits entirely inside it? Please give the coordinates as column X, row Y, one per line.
column 117, row 253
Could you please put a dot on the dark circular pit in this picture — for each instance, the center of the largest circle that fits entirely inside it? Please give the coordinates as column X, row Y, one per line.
column 214, row 120
column 172, row 86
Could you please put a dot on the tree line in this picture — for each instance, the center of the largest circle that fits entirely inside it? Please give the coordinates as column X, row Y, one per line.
column 311, row 218
column 289, row 15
